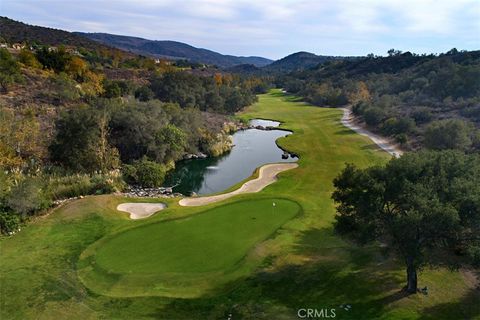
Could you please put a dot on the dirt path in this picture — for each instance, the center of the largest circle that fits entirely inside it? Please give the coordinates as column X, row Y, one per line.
column 266, row 176
column 140, row 210
column 348, row 121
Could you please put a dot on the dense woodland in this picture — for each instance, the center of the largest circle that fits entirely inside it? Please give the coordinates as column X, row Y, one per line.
column 428, row 101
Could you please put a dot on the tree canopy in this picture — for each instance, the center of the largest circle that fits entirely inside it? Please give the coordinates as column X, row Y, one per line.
column 420, row 205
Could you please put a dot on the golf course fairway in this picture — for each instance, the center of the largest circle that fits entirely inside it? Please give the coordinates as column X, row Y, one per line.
column 86, row 260
column 206, row 244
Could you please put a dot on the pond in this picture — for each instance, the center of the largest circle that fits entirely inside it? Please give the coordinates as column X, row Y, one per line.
column 252, row 149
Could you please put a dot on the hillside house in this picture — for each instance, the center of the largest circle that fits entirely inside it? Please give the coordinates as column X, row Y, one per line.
column 18, row 46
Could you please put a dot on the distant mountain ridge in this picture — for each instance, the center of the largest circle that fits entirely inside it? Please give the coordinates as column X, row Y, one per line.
column 300, row 61
column 15, row 31
column 173, row 50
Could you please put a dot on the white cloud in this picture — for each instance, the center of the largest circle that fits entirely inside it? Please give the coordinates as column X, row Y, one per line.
column 271, row 27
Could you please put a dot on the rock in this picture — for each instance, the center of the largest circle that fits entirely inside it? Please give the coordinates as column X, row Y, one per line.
column 160, row 192
column 285, row 156
column 199, row 155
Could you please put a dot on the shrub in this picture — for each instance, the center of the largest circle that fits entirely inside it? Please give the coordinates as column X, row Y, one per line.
column 9, row 70
column 422, row 115
column 373, row 116
column 28, row 197
column 64, row 187
column 56, row 60
column 104, row 184
column 111, row 89
column 449, row 134
column 394, row 126
column 129, row 173
column 359, row 108
column 401, row 138
column 405, row 125
column 144, row 173
column 28, row 58
column 65, row 89
column 9, row 222
column 144, row 93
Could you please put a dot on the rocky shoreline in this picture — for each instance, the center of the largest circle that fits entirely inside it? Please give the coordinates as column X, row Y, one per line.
column 199, row 155
column 160, row 192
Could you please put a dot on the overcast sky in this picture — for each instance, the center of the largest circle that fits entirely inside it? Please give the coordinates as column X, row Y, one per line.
column 270, row 28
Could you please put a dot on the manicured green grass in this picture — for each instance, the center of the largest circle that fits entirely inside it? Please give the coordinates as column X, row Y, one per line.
column 216, row 241
column 303, row 265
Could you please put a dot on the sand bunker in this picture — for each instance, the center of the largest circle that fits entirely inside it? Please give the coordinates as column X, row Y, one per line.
column 267, row 175
column 383, row 143
column 141, row 210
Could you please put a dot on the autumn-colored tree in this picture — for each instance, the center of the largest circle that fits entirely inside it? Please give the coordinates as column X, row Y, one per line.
column 8, row 156
column 21, row 138
column 116, row 58
column 227, row 79
column 28, row 136
column 360, row 94
column 76, row 67
column 93, row 83
column 108, row 157
column 218, row 79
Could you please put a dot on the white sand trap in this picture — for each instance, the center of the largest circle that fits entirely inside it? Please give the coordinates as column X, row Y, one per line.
column 383, row 143
column 141, row 210
column 266, row 176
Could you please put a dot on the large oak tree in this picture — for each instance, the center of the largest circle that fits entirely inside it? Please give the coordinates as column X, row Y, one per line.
column 423, row 205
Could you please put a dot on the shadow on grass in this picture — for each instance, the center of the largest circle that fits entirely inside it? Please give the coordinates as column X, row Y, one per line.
column 287, row 96
column 279, row 294
column 278, row 94
column 341, row 275
column 341, row 279
column 467, row 308
column 372, row 146
column 345, row 132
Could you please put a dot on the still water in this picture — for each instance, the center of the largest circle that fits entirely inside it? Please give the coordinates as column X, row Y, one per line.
column 252, row 149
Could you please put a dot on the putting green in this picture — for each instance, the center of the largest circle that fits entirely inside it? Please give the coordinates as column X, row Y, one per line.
column 195, row 248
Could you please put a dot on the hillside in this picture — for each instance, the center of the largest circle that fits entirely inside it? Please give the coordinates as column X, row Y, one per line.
column 420, row 100
column 244, row 69
column 15, row 31
column 172, row 50
column 298, row 61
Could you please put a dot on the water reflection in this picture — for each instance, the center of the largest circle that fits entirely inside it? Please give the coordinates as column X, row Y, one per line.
column 253, row 148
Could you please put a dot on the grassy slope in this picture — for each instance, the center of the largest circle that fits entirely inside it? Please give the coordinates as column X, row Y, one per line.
column 305, row 265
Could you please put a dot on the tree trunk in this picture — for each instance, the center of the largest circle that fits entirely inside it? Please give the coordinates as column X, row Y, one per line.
column 411, row 276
